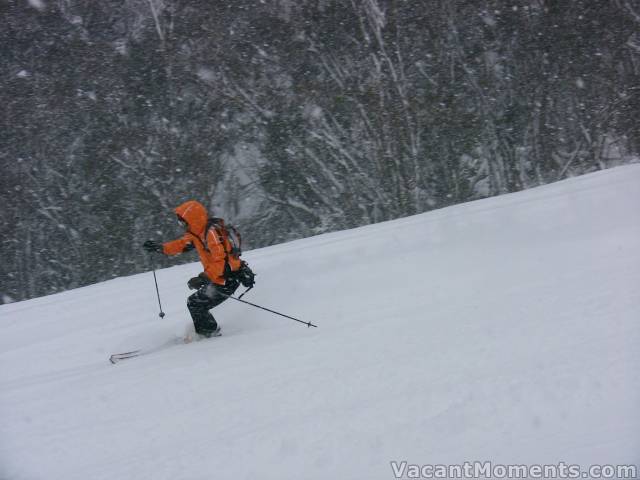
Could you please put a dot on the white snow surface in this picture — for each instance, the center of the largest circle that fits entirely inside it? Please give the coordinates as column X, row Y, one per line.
column 503, row 330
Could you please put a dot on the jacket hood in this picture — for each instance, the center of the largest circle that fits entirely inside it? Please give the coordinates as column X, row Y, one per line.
column 195, row 215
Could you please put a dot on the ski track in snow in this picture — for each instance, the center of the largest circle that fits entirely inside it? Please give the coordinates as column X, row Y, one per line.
column 505, row 329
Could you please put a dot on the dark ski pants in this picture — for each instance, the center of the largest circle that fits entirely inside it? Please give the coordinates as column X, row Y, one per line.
column 205, row 298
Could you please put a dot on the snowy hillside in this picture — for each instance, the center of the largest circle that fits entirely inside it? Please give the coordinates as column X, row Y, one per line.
column 505, row 330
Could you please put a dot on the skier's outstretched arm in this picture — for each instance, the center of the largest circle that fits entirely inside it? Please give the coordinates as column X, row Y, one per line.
column 176, row 247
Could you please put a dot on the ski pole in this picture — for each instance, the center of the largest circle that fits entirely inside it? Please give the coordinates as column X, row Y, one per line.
column 161, row 314
column 308, row 324
column 245, row 292
column 155, row 279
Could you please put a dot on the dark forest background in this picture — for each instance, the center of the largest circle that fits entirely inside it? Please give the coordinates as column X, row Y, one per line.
column 290, row 118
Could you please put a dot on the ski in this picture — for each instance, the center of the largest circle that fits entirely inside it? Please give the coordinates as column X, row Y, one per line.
column 116, row 357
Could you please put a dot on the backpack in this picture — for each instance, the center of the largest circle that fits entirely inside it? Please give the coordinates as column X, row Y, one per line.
column 229, row 233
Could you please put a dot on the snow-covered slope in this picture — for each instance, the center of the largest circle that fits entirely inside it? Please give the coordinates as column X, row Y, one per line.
column 505, row 330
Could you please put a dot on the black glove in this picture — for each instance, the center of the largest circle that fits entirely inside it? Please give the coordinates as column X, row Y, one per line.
column 198, row 282
column 151, row 246
column 246, row 276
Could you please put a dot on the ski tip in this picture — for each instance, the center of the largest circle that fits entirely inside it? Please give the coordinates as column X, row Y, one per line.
column 116, row 357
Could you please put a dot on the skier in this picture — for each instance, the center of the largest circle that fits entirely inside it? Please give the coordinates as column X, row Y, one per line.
column 219, row 251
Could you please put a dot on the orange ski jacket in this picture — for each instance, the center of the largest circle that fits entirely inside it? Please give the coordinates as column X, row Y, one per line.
column 212, row 247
